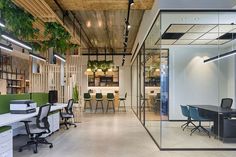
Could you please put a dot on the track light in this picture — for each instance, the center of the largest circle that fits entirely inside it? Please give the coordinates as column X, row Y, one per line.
column 2, row 23
column 59, row 57
column 7, row 48
column 37, row 57
column 125, row 44
column 15, row 41
column 129, row 26
column 131, row 2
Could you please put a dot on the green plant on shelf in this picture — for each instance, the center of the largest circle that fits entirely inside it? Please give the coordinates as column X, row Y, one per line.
column 104, row 65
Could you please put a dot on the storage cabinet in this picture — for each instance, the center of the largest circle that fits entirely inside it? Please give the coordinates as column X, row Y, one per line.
column 6, row 142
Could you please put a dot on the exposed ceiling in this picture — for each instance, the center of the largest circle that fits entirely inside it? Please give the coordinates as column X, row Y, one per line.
column 95, row 24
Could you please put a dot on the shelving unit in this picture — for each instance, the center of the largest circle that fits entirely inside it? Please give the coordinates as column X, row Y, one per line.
column 15, row 78
column 104, row 80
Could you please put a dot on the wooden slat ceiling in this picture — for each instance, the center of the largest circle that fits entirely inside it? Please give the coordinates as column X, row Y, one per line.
column 107, row 27
column 76, row 5
column 102, row 21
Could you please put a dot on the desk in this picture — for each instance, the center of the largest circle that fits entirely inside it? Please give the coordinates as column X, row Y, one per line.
column 223, row 125
column 8, row 118
column 6, row 145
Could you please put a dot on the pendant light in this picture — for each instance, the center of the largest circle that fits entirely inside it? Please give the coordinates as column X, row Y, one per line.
column 88, row 70
column 99, row 70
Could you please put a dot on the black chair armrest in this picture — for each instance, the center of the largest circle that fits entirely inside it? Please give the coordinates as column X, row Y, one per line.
column 25, row 121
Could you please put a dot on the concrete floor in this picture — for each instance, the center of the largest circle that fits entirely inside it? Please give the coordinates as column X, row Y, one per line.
column 107, row 135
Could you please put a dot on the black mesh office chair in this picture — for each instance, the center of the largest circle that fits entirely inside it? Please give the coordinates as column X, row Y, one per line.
column 35, row 131
column 226, row 103
column 68, row 114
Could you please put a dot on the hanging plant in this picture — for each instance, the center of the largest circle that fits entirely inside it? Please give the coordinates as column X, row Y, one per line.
column 104, row 65
column 18, row 22
column 59, row 38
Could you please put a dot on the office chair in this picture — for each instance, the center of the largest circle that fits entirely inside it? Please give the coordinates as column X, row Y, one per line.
column 185, row 113
column 66, row 116
column 226, row 103
column 194, row 114
column 99, row 98
column 123, row 100
column 87, row 100
column 35, row 131
column 110, row 99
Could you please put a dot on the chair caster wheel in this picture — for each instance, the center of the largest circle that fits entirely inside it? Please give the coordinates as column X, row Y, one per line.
column 75, row 126
column 51, row 146
column 35, row 151
column 20, row 150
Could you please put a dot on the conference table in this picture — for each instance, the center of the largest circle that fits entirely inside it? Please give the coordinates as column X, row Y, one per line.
column 224, row 125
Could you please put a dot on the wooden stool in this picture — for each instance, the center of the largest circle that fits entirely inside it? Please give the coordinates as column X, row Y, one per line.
column 110, row 99
column 87, row 100
column 123, row 100
column 99, row 98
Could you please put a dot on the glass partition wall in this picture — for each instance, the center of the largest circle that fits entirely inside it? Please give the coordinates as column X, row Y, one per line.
column 185, row 73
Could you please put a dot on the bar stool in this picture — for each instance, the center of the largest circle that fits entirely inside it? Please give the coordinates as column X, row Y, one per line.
column 110, row 99
column 87, row 100
column 123, row 100
column 146, row 102
column 99, row 98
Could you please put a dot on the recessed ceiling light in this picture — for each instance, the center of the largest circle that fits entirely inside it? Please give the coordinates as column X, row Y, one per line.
column 88, row 24
column 99, row 23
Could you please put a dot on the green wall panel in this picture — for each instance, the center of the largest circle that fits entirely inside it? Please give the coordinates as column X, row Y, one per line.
column 40, row 98
column 5, row 101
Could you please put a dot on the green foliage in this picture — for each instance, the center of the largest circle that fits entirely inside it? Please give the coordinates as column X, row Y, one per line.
column 18, row 22
column 59, row 38
column 75, row 94
column 104, row 65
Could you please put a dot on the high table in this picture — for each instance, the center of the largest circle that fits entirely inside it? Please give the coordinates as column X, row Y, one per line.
column 224, row 125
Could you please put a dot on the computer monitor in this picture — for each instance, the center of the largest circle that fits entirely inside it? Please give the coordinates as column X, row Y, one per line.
column 52, row 96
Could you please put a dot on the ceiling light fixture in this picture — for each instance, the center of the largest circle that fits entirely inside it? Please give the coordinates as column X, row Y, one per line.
column 2, row 23
column 7, row 48
column 131, row 2
column 221, row 56
column 35, row 56
column 15, row 41
column 59, row 57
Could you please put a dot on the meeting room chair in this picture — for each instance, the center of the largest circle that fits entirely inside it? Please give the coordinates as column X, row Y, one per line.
column 185, row 113
column 110, row 101
column 122, row 99
column 35, row 131
column 68, row 114
column 87, row 101
column 99, row 99
column 194, row 114
column 226, row 103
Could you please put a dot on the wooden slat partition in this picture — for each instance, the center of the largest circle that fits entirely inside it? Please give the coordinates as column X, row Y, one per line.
column 49, row 78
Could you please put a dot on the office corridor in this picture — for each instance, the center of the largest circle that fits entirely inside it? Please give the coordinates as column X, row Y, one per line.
column 106, row 135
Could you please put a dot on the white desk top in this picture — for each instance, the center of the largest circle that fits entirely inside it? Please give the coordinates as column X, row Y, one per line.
column 8, row 118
